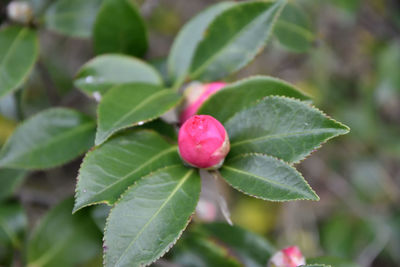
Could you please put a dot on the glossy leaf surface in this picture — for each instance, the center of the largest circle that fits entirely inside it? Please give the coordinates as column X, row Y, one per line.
column 48, row 139
column 236, row 96
column 267, row 178
column 188, row 38
column 105, row 71
column 107, row 171
column 151, row 216
column 234, row 38
column 281, row 127
column 132, row 104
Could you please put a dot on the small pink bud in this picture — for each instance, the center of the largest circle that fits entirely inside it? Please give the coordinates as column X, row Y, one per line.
column 195, row 95
column 203, row 142
column 206, row 210
column 288, row 257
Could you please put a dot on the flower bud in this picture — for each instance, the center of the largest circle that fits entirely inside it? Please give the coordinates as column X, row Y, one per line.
column 195, row 95
column 203, row 142
column 288, row 257
column 19, row 11
column 206, row 210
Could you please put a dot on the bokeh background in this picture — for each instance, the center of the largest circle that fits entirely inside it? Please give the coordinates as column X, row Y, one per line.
column 348, row 60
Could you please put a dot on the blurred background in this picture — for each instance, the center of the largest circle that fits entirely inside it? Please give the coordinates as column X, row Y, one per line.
column 346, row 55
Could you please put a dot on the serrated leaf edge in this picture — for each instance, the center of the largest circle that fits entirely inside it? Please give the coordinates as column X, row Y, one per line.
column 55, row 165
column 231, row 86
column 193, row 74
column 344, row 127
column 112, row 133
column 107, row 201
column 272, row 200
column 169, row 246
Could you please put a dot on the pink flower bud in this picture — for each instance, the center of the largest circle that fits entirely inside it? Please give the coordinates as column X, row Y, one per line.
column 195, row 95
column 206, row 210
column 203, row 142
column 288, row 257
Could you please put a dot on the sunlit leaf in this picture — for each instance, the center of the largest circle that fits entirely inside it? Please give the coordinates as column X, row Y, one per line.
column 105, row 71
column 129, row 105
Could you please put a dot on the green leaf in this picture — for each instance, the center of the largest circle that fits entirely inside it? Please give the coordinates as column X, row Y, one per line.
column 236, row 96
column 267, row 178
column 163, row 128
column 196, row 250
column 331, row 261
column 13, row 222
column 10, row 179
column 103, row 72
column 281, row 127
column 315, row 265
column 293, row 29
column 107, row 171
column 72, row 17
column 252, row 250
column 99, row 214
column 62, row 239
column 19, row 50
column 185, row 43
column 234, row 38
column 48, row 139
column 119, row 28
column 151, row 216
column 129, row 105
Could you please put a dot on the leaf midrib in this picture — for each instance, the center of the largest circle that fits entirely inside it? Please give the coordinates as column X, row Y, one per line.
column 78, row 129
column 151, row 160
column 177, row 187
column 319, row 130
column 265, row 179
column 206, row 63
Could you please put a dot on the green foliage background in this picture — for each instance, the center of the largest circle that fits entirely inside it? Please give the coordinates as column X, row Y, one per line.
column 343, row 53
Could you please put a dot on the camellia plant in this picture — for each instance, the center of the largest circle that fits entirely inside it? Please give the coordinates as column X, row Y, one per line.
column 151, row 137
